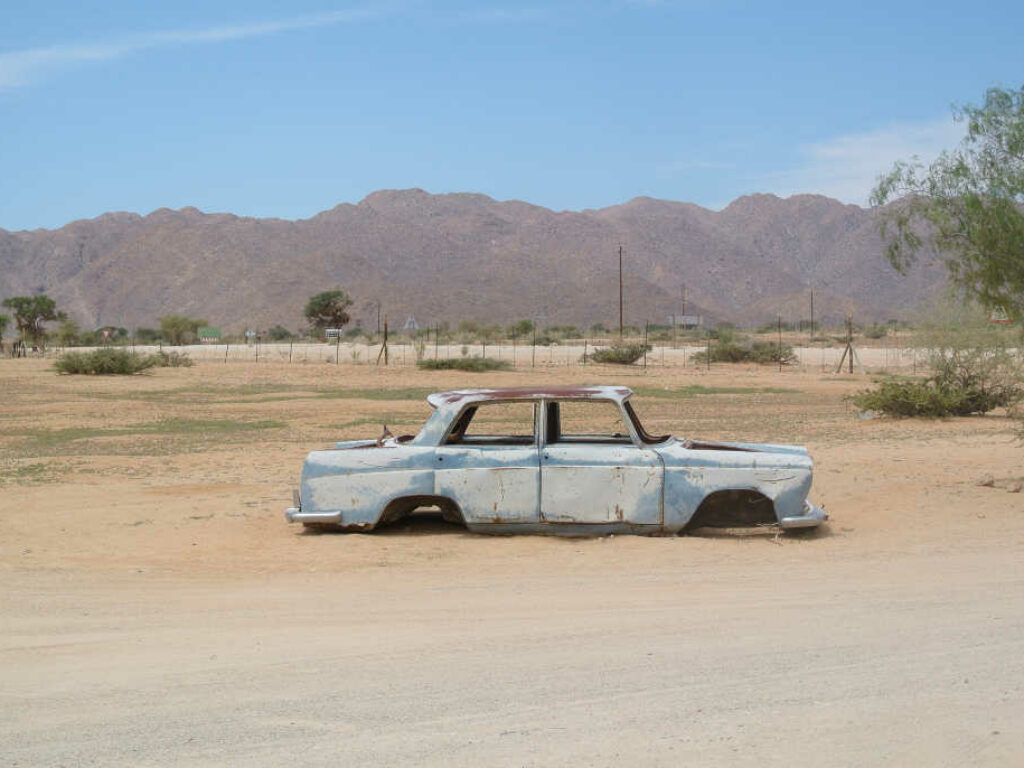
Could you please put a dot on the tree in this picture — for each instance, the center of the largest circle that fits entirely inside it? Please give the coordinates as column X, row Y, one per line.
column 68, row 333
column 4, row 320
column 31, row 313
column 968, row 205
column 147, row 335
column 520, row 329
column 280, row 333
column 178, row 329
column 327, row 310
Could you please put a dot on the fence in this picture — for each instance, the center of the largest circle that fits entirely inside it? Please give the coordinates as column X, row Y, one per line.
column 890, row 356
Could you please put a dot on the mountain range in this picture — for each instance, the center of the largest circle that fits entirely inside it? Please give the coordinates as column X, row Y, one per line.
column 453, row 257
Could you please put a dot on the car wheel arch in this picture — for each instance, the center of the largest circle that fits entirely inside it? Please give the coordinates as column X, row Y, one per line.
column 401, row 506
column 733, row 508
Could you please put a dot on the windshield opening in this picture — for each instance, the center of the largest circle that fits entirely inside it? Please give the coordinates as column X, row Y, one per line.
column 643, row 433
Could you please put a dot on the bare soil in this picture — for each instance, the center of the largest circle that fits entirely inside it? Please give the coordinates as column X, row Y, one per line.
column 157, row 610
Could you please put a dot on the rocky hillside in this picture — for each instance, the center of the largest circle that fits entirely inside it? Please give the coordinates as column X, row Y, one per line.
column 467, row 256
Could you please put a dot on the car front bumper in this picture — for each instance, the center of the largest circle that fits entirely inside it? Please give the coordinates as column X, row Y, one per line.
column 812, row 516
column 296, row 515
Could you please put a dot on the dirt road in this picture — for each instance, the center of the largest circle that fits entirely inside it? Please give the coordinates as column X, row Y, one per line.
column 156, row 610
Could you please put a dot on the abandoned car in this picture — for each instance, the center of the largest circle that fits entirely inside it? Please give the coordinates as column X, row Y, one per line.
column 531, row 460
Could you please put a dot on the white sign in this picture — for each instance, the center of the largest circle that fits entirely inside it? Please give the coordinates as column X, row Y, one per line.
column 686, row 321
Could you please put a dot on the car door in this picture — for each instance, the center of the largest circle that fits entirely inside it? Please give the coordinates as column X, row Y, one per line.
column 593, row 471
column 489, row 464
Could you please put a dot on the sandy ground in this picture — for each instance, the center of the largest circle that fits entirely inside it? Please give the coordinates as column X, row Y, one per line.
column 157, row 610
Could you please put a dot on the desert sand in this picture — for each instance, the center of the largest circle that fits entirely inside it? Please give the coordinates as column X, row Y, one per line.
column 156, row 609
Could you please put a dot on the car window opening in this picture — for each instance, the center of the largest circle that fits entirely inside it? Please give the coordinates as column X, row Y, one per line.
column 645, row 436
column 501, row 423
column 567, row 420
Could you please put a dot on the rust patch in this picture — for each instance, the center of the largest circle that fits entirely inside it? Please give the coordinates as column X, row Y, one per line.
column 514, row 393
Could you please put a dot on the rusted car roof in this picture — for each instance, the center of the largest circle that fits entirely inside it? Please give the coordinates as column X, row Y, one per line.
column 457, row 396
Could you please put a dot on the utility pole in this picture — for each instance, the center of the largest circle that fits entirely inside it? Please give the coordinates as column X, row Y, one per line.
column 812, row 314
column 780, row 342
column 378, row 317
column 682, row 295
column 620, row 291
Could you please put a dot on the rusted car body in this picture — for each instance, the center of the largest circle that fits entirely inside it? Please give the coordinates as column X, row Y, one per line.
column 514, row 461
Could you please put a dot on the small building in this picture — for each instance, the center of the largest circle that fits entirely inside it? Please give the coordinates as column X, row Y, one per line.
column 209, row 334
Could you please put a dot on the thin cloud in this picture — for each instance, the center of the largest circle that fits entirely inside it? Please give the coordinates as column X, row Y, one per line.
column 20, row 68
column 508, row 15
column 847, row 167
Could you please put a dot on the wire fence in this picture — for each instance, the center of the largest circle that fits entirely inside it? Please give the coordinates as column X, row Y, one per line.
column 886, row 355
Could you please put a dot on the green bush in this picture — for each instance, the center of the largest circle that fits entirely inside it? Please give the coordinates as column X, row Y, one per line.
column 620, row 354
column 103, row 362
column 876, row 331
column 110, row 361
column 280, row 333
column 469, row 364
column 172, row 360
column 976, row 368
column 932, row 397
column 763, row 352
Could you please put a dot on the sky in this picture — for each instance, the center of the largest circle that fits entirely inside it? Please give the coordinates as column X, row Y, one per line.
column 280, row 109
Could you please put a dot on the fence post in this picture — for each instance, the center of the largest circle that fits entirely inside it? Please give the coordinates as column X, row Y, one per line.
column 290, row 351
column 780, row 342
column 646, row 324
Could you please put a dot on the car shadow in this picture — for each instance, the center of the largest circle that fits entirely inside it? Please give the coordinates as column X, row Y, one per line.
column 762, row 532
column 425, row 523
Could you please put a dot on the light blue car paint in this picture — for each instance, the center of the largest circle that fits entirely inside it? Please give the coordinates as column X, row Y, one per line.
column 561, row 487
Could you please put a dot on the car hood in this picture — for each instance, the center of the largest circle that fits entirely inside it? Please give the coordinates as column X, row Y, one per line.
column 714, row 445
column 711, row 453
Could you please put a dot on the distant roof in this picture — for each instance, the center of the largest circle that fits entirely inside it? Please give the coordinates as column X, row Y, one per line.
column 447, row 399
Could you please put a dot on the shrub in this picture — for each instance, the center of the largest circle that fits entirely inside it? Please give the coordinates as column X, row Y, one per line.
column 280, row 333
column 763, row 352
column 172, row 360
column 469, row 364
column 620, row 354
column 976, row 368
column 104, row 362
column 932, row 397
column 766, row 352
column 147, row 335
column 876, row 331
